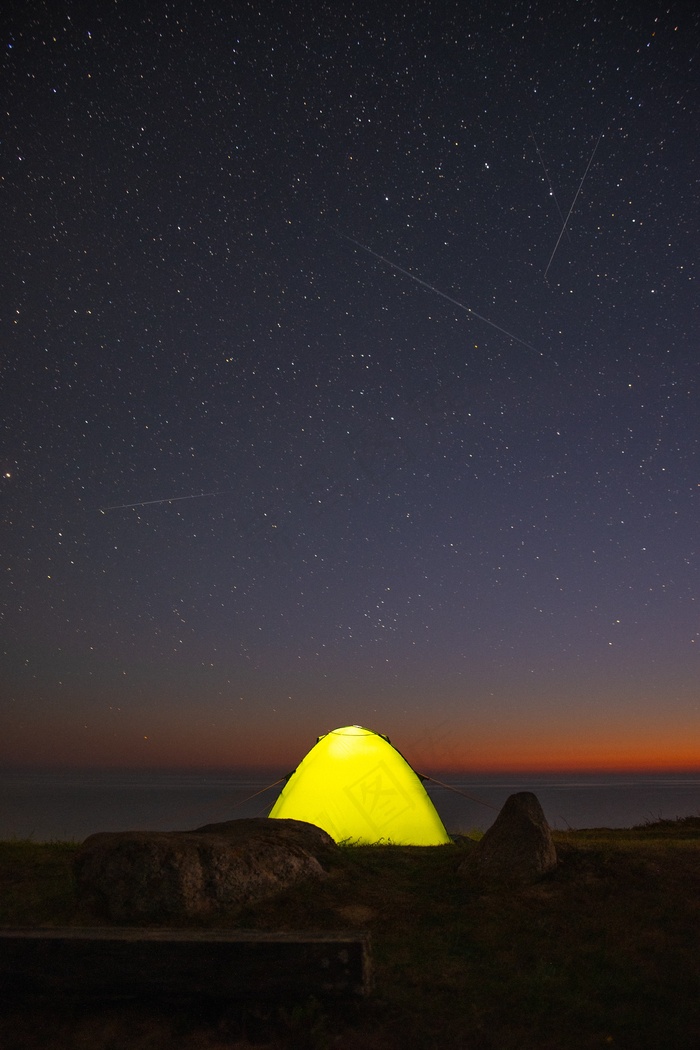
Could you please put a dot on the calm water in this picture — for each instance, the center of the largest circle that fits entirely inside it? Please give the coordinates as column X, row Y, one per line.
column 74, row 805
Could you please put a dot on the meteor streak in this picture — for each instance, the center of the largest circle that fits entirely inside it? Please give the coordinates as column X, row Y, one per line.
column 561, row 233
column 153, row 502
column 432, row 288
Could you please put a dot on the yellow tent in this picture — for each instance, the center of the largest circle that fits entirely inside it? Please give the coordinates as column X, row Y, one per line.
column 358, row 788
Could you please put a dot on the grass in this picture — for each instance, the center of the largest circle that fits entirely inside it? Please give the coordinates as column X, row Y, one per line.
column 604, row 952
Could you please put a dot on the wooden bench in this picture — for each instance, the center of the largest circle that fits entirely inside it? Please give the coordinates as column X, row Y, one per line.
column 223, row 964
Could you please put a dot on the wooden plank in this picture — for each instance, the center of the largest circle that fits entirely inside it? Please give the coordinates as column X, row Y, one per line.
column 228, row 964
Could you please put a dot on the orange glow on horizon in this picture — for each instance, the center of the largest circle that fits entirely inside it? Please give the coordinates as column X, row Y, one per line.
column 589, row 747
column 283, row 760
column 612, row 758
column 480, row 748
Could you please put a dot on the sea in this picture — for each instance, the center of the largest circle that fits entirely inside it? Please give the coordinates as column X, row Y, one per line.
column 46, row 807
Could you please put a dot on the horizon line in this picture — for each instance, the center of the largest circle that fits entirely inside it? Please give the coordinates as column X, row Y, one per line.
column 427, row 772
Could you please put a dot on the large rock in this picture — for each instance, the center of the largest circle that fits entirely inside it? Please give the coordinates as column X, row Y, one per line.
column 518, row 846
column 144, row 876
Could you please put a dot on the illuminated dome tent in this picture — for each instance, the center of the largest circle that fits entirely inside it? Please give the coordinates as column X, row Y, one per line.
column 357, row 787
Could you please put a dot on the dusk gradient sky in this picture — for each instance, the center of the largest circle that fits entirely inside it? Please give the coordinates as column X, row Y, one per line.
column 350, row 375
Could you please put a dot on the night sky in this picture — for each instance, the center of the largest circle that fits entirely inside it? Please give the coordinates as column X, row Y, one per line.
column 349, row 360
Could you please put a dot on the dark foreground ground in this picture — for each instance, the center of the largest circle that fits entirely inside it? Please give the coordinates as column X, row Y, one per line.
column 605, row 952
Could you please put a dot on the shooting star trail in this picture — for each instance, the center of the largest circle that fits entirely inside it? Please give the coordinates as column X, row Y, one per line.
column 154, row 502
column 561, row 234
column 546, row 175
column 432, row 288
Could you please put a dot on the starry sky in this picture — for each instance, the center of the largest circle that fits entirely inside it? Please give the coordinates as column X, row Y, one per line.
column 350, row 376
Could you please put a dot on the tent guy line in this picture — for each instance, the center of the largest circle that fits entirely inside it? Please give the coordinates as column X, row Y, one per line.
column 457, row 791
column 432, row 288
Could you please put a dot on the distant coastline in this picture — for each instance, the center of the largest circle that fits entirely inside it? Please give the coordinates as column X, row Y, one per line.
column 70, row 805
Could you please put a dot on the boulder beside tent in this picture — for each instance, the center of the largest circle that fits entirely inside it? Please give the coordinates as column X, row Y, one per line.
column 356, row 786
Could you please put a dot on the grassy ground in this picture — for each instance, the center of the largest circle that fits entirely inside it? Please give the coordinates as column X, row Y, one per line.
column 605, row 952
